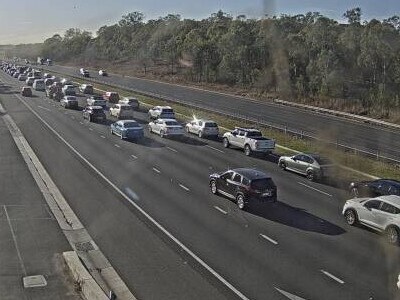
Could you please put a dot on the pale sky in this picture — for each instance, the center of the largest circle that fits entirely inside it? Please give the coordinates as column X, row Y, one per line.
column 23, row 21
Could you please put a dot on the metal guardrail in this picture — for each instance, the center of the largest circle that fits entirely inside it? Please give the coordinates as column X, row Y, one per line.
column 282, row 128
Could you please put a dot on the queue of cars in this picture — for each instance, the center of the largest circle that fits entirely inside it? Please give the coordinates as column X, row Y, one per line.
column 375, row 204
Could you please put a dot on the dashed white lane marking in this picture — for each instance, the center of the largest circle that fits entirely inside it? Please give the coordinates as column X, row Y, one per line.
column 313, row 188
column 332, row 277
column 289, row 295
column 45, row 108
column 81, row 123
column 156, row 170
column 172, row 149
column 220, row 210
column 269, row 239
column 91, row 129
column 116, row 145
column 102, row 136
column 216, row 149
column 72, row 117
column 133, row 156
column 184, row 187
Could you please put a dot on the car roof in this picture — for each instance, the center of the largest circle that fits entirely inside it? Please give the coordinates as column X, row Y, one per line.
column 205, row 121
column 251, row 174
column 391, row 199
column 94, row 107
column 161, row 107
column 123, row 104
column 390, row 181
column 167, row 120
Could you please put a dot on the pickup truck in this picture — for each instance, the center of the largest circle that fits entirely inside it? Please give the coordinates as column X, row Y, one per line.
column 248, row 139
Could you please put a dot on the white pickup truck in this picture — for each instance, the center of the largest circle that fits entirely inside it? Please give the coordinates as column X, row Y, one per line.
column 248, row 139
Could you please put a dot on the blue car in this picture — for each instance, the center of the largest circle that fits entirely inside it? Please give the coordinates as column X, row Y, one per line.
column 127, row 129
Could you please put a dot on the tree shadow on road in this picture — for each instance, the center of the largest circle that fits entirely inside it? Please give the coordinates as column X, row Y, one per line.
column 299, row 218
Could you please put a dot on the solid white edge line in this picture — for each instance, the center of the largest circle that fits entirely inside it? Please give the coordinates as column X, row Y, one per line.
column 220, row 210
column 315, row 189
column 91, row 129
column 269, row 239
column 332, row 276
column 172, row 149
column 156, row 170
column 216, row 149
column 136, row 206
column 184, row 187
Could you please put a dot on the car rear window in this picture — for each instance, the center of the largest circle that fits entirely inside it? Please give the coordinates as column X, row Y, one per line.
column 167, row 110
column 171, row 123
column 126, row 108
column 131, row 124
column 97, row 111
column 253, row 133
column 262, row 183
column 210, row 124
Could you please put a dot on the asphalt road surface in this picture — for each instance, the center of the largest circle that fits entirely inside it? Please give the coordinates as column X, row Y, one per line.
column 362, row 136
column 301, row 245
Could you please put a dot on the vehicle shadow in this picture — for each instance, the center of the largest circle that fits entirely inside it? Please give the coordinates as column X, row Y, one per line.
column 184, row 139
column 148, row 142
column 295, row 217
column 6, row 89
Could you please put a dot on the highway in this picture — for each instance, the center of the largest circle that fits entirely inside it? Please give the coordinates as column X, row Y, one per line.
column 301, row 245
column 362, row 136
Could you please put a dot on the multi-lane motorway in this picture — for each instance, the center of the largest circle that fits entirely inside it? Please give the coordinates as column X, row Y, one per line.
column 385, row 142
column 301, row 245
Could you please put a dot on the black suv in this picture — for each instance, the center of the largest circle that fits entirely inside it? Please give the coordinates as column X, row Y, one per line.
column 375, row 188
column 94, row 113
column 245, row 186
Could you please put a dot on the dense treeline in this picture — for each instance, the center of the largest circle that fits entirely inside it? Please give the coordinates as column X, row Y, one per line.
column 300, row 56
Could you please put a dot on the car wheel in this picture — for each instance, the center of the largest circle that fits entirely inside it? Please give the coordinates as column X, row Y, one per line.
column 213, row 187
column 282, row 165
column 162, row 133
column 351, row 217
column 122, row 136
column 310, row 175
column 240, row 201
column 226, row 143
column 247, row 150
column 90, row 118
column 187, row 130
column 354, row 192
column 112, row 132
column 392, row 235
column 200, row 134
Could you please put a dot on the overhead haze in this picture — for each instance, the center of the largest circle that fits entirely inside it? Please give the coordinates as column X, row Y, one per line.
column 25, row 21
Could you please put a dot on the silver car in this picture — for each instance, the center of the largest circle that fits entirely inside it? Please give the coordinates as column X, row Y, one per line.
column 313, row 166
column 381, row 214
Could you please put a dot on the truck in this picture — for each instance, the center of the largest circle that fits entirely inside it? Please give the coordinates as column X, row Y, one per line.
column 248, row 139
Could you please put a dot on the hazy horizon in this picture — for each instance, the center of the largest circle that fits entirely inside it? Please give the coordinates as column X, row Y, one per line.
column 38, row 22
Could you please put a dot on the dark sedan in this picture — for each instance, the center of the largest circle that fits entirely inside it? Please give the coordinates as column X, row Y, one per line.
column 375, row 188
column 244, row 186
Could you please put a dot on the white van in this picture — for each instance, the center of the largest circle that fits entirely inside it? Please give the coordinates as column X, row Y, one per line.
column 39, row 85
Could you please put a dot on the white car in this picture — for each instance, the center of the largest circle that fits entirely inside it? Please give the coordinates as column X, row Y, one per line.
column 202, row 128
column 84, row 72
column 161, row 112
column 38, row 85
column 121, row 111
column 381, row 214
column 166, row 127
column 22, row 77
column 103, row 73
column 398, row 282
column 132, row 101
column 69, row 102
column 96, row 101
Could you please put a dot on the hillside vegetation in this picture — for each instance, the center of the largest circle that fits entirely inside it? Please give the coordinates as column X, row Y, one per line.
column 308, row 58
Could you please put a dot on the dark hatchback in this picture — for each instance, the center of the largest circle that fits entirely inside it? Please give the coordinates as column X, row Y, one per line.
column 94, row 113
column 245, row 186
column 375, row 188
